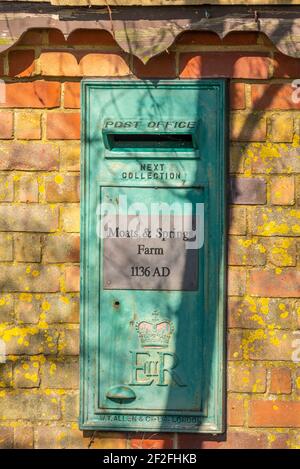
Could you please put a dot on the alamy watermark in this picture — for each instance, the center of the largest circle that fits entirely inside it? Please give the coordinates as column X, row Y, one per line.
column 296, row 92
column 159, row 220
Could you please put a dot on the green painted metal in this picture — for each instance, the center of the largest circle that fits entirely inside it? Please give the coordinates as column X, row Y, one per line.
column 152, row 349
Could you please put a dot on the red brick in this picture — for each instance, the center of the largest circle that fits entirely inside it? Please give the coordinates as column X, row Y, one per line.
column 235, row 412
column 235, row 351
column 69, row 342
column 161, row 66
column 18, row 278
column 248, row 191
column 24, row 217
column 233, row 440
column 207, row 38
column 23, row 437
column 286, row 67
column 266, row 97
column 237, row 221
column 279, row 440
column 6, row 125
column 236, row 281
column 253, row 313
column 81, row 37
column 72, row 95
column 6, row 438
column 273, row 345
column 62, row 248
column 237, row 96
column 246, row 378
column 198, row 37
column 37, row 94
column 56, row 37
column 33, row 37
column 243, row 251
column 62, row 189
column 152, row 442
column 269, row 283
column 92, row 36
column 248, row 127
column 241, row 38
column 72, row 278
column 25, row 156
column 28, row 189
column 21, row 63
column 28, row 125
column 223, row 64
column 1, row 66
column 274, row 414
column 281, row 381
column 63, row 126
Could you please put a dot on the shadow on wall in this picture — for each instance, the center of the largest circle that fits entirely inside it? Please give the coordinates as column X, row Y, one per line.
column 191, row 65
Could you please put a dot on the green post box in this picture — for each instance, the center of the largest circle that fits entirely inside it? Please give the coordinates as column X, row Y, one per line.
column 152, row 255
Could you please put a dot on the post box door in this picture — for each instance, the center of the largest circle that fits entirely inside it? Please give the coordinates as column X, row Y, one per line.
column 152, row 306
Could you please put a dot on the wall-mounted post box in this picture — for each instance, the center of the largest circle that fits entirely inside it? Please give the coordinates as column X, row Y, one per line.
column 152, row 257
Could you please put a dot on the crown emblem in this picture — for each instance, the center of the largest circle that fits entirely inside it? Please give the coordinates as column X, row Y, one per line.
column 156, row 332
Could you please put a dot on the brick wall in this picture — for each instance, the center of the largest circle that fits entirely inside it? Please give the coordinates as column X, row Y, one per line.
column 39, row 236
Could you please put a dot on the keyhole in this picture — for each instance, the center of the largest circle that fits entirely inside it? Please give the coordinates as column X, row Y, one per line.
column 116, row 304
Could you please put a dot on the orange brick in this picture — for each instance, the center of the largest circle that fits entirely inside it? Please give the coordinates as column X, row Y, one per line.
column 281, row 381
column 28, row 126
column 237, row 96
column 72, row 95
column 83, row 64
column 266, row 97
column 274, row 414
column 62, row 189
column 37, row 94
column 59, row 64
column 152, row 442
column 72, row 278
column 223, row 64
column 104, row 65
column 63, row 126
column 283, row 190
column 161, row 66
column 235, row 412
column 6, row 125
column 268, row 283
column 21, row 63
